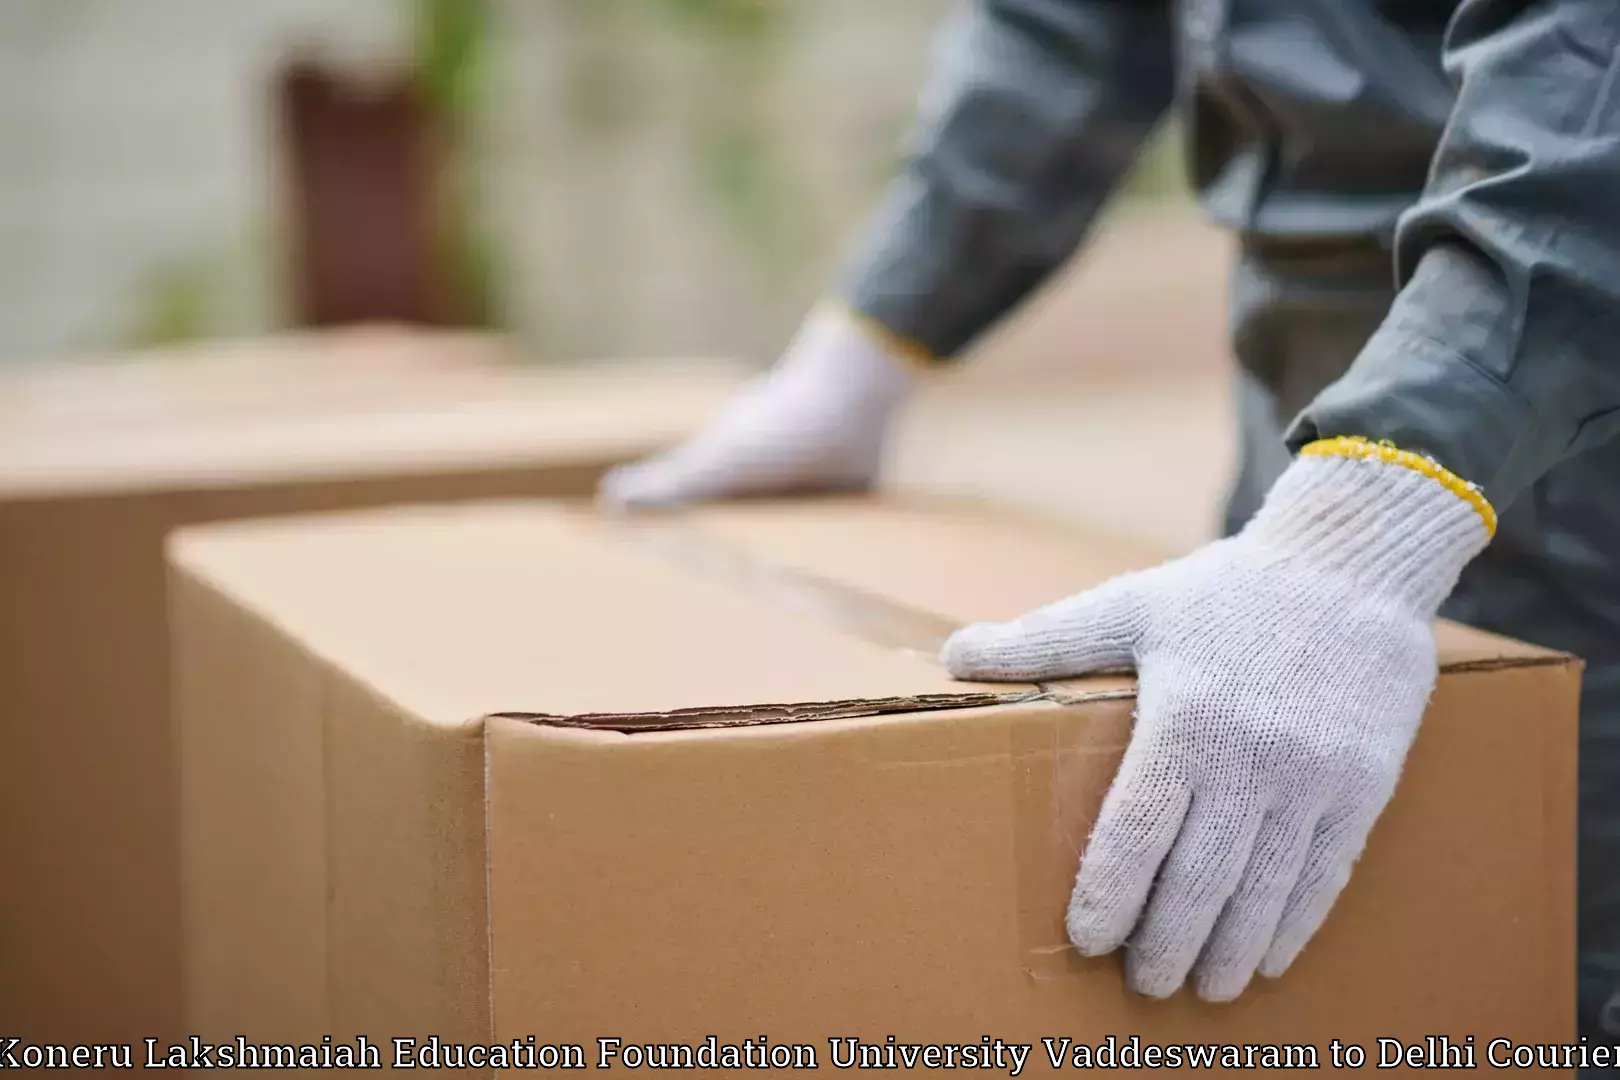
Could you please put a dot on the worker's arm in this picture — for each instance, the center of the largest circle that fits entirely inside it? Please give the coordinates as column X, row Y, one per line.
column 1501, row 355
column 1034, row 111
column 1284, row 671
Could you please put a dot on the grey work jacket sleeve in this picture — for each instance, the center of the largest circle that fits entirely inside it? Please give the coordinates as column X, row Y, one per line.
column 1033, row 112
column 1501, row 354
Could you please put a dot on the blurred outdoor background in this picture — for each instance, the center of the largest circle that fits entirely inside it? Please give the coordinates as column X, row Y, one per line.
column 598, row 179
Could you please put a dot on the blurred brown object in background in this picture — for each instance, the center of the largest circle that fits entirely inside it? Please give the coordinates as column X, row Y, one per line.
column 365, row 161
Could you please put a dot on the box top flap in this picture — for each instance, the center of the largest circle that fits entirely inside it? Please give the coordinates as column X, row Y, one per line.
column 334, row 405
column 736, row 615
column 989, row 562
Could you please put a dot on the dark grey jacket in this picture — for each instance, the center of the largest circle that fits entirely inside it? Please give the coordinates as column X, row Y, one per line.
column 1313, row 128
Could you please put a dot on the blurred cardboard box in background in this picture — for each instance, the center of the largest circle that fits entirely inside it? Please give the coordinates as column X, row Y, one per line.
column 214, row 382
column 98, row 462
column 503, row 770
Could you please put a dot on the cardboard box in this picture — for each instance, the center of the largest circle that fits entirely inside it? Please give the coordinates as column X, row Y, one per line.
column 97, row 463
column 364, row 367
column 517, row 770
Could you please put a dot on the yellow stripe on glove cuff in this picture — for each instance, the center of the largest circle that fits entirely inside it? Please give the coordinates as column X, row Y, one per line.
column 896, row 345
column 1351, row 446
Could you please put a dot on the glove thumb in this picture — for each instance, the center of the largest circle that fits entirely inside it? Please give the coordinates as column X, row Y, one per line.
column 1093, row 631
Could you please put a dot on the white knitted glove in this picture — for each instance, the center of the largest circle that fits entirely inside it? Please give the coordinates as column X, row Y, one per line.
column 1282, row 675
column 814, row 423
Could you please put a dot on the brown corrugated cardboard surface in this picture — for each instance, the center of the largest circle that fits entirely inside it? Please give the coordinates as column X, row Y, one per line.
column 149, row 384
column 89, row 925
column 176, row 426
column 745, row 870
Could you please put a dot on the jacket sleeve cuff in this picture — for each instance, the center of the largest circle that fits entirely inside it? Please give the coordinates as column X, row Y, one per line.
column 1410, row 389
column 1034, row 112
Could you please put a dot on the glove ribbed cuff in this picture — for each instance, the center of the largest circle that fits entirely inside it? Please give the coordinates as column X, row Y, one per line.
column 1353, row 447
column 1372, row 514
column 898, row 346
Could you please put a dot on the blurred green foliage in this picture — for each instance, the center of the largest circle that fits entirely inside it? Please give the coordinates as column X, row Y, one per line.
column 451, row 57
column 175, row 302
column 604, row 95
column 451, row 64
column 735, row 151
column 739, row 20
column 735, row 148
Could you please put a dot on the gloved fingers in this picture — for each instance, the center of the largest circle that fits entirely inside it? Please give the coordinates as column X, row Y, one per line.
column 1140, row 818
column 1093, row 631
column 1248, row 923
column 1199, row 875
column 1334, row 849
column 637, row 486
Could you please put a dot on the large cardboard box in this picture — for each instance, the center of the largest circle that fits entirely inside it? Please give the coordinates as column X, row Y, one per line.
column 219, row 383
column 98, row 461
column 516, row 770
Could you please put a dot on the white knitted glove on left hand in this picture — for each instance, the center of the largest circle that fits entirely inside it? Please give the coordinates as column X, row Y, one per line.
column 1282, row 676
column 816, row 422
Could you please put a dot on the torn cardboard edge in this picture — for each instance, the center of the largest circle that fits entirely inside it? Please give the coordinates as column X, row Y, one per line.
column 753, row 715
column 874, row 619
